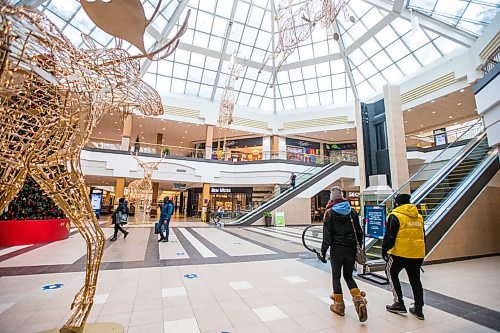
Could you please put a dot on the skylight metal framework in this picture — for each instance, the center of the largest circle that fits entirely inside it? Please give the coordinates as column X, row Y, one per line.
column 379, row 47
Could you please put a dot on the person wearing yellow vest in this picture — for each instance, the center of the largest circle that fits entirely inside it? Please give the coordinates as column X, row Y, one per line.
column 404, row 247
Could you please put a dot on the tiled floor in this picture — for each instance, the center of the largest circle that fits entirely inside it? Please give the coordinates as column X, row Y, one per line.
column 230, row 280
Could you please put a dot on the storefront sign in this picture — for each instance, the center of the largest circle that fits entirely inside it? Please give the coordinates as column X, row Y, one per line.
column 340, row 146
column 353, row 194
column 302, row 143
column 180, row 186
column 375, row 221
column 220, row 190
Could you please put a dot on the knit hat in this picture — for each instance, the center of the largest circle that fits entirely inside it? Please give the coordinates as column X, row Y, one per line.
column 336, row 193
column 402, row 199
column 121, row 200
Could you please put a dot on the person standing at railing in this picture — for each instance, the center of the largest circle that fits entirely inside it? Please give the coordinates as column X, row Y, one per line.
column 292, row 180
column 137, row 145
column 404, row 247
column 341, row 233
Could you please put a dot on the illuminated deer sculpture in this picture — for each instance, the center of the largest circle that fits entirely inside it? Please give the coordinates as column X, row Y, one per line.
column 141, row 190
column 52, row 95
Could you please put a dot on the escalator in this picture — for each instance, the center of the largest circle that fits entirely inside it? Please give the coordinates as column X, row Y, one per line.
column 284, row 192
column 447, row 192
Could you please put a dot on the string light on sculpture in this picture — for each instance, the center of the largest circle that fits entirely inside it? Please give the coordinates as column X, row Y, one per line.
column 52, row 96
column 296, row 23
column 140, row 191
column 227, row 102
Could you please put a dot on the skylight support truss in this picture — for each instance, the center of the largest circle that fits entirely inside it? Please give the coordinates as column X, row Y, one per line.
column 430, row 23
column 224, row 48
column 273, row 44
column 346, row 64
column 164, row 33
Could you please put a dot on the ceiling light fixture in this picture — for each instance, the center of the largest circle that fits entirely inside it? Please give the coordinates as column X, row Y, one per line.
column 449, row 117
column 462, row 90
column 459, row 104
column 433, row 111
column 433, row 101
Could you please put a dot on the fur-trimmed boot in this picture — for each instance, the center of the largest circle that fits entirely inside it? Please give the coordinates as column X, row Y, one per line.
column 338, row 305
column 359, row 300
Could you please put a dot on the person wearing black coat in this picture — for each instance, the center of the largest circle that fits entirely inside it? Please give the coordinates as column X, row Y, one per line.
column 341, row 230
column 120, row 216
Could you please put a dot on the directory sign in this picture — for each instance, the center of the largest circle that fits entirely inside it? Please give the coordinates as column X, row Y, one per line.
column 375, row 221
column 95, row 201
column 279, row 219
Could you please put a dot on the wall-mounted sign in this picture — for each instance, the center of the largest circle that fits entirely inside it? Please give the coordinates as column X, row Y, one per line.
column 440, row 137
column 375, row 221
column 225, row 190
column 353, row 194
column 340, row 146
column 95, row 201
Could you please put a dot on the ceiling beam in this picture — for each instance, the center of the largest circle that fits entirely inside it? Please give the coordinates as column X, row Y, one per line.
column 347, row 66
column 164, row 34
column 224, row 48
column 371, row 32
column 31, row 3
column 398, row 6
column 430, row 23
column 273, row 45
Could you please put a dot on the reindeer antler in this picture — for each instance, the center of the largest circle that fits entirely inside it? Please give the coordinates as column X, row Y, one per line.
column 143, row 165
column 155, row 164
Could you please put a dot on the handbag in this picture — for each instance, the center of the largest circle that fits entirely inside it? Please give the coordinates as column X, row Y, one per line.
column 122, row 218
column 360, row 254
column 156, row 229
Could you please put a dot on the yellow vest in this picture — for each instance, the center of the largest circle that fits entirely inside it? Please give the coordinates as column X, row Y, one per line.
column 410, row 242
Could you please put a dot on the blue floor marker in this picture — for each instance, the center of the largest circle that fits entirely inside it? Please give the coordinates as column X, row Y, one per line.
column 190, row 276
column 52, row 286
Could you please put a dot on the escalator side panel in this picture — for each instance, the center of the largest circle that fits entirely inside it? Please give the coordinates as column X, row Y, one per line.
column 439, row 228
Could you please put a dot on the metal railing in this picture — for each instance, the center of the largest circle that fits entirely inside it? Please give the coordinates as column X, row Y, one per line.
column 491, row 61
column 157, row 149
column 428, row 139
column 435, row 166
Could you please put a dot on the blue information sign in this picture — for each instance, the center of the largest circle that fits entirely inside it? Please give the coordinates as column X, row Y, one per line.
column 375, row 221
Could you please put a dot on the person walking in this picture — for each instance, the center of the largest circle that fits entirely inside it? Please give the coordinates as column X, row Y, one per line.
column 137, row 145
column 340, row 229
column 292, row 180
column 120, row 216
column 404, row 247
column 167, row 210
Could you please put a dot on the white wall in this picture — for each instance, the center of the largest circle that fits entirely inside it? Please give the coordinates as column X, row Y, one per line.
column 488, row 106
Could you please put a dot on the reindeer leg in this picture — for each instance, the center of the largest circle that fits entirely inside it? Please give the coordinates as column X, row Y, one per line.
column 64, row 183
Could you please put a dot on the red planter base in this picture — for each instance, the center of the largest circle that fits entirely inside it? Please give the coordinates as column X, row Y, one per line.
column 22, row 232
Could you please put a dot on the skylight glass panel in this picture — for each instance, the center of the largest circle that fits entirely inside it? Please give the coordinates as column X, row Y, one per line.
column 445, row 45
column 255, row 101
column 367, row 69
column 205, row 91
column 285, row 89
column 377, row 81
column 311, row 86
column 365, row 90
column 397, row 50
column 386, row 36
column 208, row 77
column 427, row 54
column 325, row 97
column 298, row 88
column 408, row 65
column 243, row 98
column 300, row 101
column 288, row 103
column 339, row 96
column 469, row 15
column 392, row 73
column 165, row 67
column 163, row 84
column 415, row 40
column 65, row 9
column 192, row 88
column 381, row 60
column 370, row 47
column 338, row 81
column 223, row 9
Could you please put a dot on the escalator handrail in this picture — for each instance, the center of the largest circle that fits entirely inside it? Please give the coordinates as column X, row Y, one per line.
column 430, row 184
column 456, row 194
column 263, row 206
column 467, row 147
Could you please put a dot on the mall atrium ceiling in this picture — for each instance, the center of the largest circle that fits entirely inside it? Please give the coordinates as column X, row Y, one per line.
column 387, row 41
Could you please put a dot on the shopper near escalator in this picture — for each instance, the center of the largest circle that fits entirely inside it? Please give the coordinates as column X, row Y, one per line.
column 404, row 247
column 341, row 230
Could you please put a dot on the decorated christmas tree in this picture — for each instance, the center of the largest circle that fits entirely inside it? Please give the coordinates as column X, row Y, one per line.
column 31, row 204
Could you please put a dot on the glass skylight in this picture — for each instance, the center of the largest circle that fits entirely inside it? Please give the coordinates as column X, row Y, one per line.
column 379, row 47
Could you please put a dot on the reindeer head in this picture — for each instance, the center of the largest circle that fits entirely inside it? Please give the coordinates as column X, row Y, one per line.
column 149, row 167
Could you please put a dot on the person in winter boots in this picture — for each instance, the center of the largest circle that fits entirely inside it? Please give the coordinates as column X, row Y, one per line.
column 119, row 217
column 404, row 247
column 340, row 227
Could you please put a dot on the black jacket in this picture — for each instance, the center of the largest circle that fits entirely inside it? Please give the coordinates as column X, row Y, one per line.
column 391, row 232
column 338, row 231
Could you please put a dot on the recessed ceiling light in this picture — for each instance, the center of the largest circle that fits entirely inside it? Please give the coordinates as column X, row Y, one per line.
column 406, row 121
column 183, row 137
column 450, row 117
column 409, row 110
column 142, row 132
column 421, row 125
column 181, row 142
column 459, row 104
column 163, row 128
column 119, row 129
column 140, row 125
column 433, row 111
column 433, row 101
column 455, row 123
column 462, row 90
column 111, row 114
column 116, row 122
column 99, row 132
column 185, row 131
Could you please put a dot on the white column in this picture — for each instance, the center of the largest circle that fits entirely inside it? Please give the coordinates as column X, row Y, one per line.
column 360, row 146
column 396, row 137
column 266, row 148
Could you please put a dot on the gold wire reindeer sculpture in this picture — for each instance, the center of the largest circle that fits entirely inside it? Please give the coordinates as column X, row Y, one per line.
column 140, row 191
column 295, row 25
column 52, row 95
column 226, row 107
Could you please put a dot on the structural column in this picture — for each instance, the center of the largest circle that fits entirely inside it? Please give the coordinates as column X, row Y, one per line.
column 119, row 189
column 208, row 141
column 154, row 201
column 275, row 147
column 159, row 142
column 396, row 138
column 127, row 131
column 266, row 148
column 360, row 146
column 205, row 197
